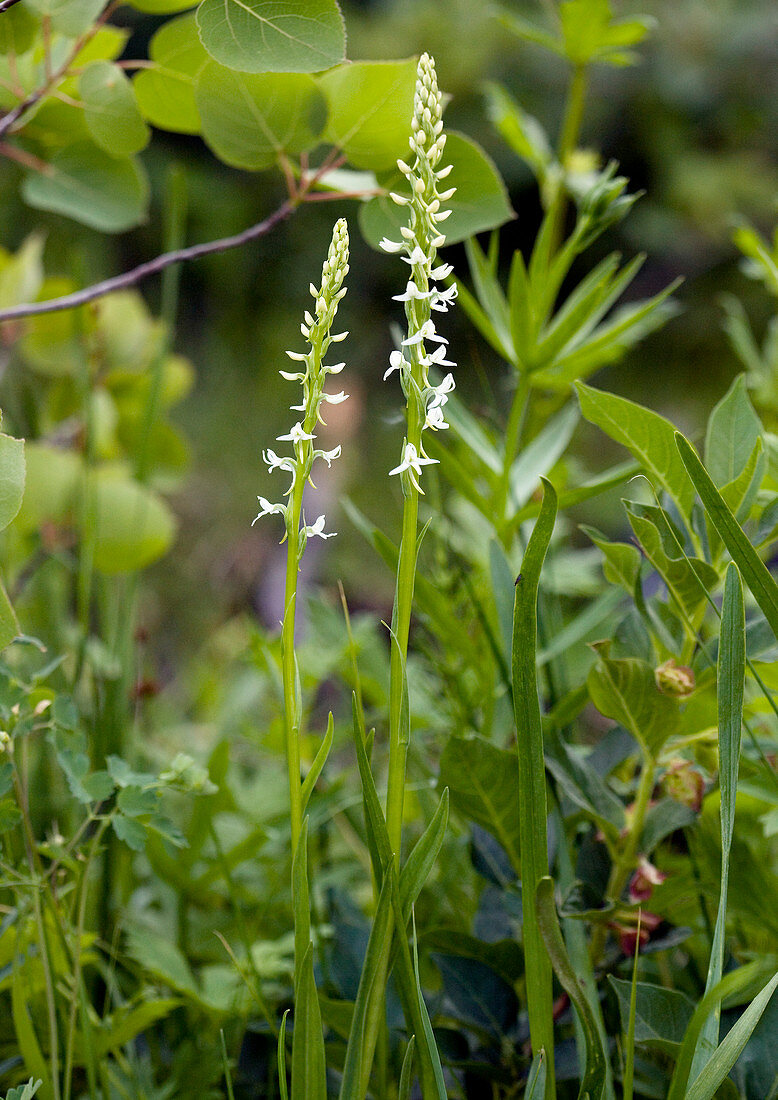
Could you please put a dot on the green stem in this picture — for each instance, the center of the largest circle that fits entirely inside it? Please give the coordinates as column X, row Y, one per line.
column 568, row 139
column 625, row 862
column 514, row 431
column 291, row 730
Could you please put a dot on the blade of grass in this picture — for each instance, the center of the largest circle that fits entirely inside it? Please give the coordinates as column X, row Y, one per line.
column 226, row 1065
column 536, row 1080
column 422, row 858
column 309, row 1066
column 532, row 780
column 593, row 1079
column 731, row 681
column 754, row 571
column 318, row 763
column 730, row 984
column 406, row 1074
column 707, row 1084
column 629, row 1068
column 282, row 1058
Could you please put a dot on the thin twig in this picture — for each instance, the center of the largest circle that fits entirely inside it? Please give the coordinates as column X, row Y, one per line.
column 10, row 119
column 151, row 267
column 6, row 4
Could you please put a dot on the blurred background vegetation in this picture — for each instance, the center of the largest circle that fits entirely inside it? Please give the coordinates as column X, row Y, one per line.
column 693, row 124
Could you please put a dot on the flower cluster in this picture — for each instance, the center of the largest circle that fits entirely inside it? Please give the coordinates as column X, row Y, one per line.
column 421, row 239
column 316, row 329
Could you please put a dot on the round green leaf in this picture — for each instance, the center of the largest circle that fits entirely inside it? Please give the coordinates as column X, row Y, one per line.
column 480, row 203
column 18, row 28
column 273, row 36
column 11, row 478
column 111, row 111
column 133, row 525
column 52, row 479
column 249, row 119
column 162, row 7
column 85, row 183
column 68, row 17
column 51, row 343
column 370, row 110
column 166, row 92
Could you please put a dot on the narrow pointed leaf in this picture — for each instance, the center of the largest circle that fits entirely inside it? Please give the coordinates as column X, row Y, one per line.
column 301, row 902
column 754, row 571
column 532, row 777
column 593, row 1080
column 309, row 1067
column 318, row 763
column 536, row 1080
column 422, row 859
column 375, row 822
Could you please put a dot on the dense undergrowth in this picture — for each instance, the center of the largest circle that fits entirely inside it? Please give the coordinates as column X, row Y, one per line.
column 518, row 838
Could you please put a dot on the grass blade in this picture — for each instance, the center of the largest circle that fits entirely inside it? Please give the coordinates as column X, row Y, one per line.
column 754, row 571
column 706, row 1085
column 593, row 1080
column 422, row 859
column 309, row 1067
column 375, row 823
column 730, row 984
column 532, row 779
column 318, row 763
column 282, row 1058
column 731, row 681
column 406, row 1074
column 629, row 1068
column 536, row 1080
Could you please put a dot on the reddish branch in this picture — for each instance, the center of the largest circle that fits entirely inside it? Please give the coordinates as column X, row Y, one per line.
column 151, row 267
column 6, row 4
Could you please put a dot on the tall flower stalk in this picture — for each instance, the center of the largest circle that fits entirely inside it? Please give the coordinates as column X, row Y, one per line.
column 316, row 329
column 422, row 349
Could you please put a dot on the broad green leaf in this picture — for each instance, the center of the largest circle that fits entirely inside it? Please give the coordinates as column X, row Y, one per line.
column 731, row 670
column 661, row 1015
column 133, row 525
column 162, row 7
column 591, row 34
column 625, row 690
column 161, row 958
column 273, row 36
column 648, row 436
column 621, row 564
column 166, row 92
column 754, row 571
column 706, row 1085
column 480, row 203
column 593, row 1078
column 370, row 107
column 309, row 1067
column 105, row 45
column 688, row 579
column 482, row 782
column 531, row 789
column 68, row 17
column 52, row 480
column 129, row 1020
column 52, row 343
column 12, row 478
column 111, row 110
column 84, row 183
column 248, row 120
column 585, row 787
column 18, row 29
column 732, row 433
column 21, row 272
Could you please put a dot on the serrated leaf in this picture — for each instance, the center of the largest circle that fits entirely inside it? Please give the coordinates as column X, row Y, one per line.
column 130, row 831
column 370, row 107
column 166, row 92
column 273, row 36
column 135, row 802
column 480, row 203
column 84, row 183
column 249, row 120
column 111, row 110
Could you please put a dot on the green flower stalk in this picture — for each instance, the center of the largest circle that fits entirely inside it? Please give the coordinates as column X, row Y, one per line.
column 422, row 349
column 316, row 330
